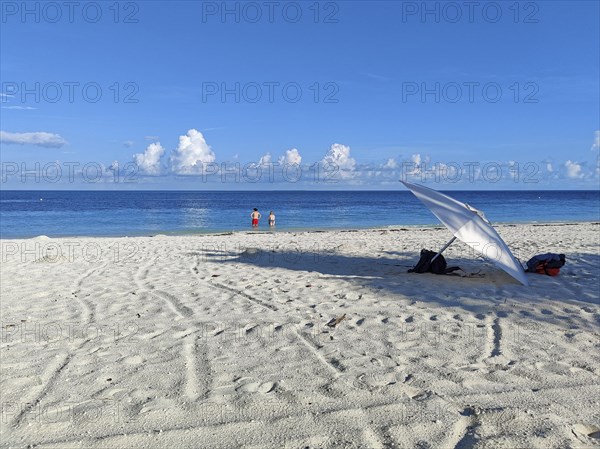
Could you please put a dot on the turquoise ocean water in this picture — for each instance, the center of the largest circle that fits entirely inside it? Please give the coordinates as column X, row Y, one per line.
column 129, row 213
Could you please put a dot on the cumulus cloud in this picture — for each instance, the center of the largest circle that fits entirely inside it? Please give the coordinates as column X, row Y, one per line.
column 416, row 164
column 265, row 159
column 574, row 169
column 339, row 156
column 391, row 164
column 596, row 144
column 149, row 161
column 191, row 154
column 41, row 139
column 291, row 156
column 418, row 159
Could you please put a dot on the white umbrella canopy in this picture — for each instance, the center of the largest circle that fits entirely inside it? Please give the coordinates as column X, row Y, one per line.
column 470, row 225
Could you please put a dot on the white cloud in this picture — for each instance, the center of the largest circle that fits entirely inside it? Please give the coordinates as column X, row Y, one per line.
column 339, row 156
column 391, row 164
column 152, row 137
column 128, row 143
column 265, row 159
column 416, row 159
column 191, row 154
column 149, row 161
column 378, row 77
column 41, row 139
column 596, row 144
column 19, row 108
column 417, row 164
column 573, row 169
column 291, row 156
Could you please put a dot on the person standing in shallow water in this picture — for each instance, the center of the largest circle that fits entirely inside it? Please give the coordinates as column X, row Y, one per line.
column 255, row 215
column 271, row 219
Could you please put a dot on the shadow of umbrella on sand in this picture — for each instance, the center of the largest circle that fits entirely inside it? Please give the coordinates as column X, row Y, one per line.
column 469, row 225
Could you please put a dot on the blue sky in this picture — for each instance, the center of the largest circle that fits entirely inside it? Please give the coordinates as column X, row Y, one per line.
column 503, row 96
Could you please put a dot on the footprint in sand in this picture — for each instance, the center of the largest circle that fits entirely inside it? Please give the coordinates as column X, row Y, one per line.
column 410, row 319
column 587, row 430
column 547, row 312
column 112, row 394
column 133, row 360
column 266, row 387
column 254, row 387
column 372, row 381
column 251, row 387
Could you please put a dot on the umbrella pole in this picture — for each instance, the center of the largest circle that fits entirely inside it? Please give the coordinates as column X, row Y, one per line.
column 444, row 248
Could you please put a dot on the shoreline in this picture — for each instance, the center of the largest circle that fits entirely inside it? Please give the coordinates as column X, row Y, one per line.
column 395, row 227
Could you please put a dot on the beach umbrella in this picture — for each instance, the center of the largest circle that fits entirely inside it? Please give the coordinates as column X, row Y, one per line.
column 469, row 225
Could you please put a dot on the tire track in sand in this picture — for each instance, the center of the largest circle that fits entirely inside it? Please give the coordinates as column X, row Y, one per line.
column 250, row 298
column 492, row 340
column 77, row 288
column 172, row 301
column 197, row 374
column 44, row 388
column 54, row 372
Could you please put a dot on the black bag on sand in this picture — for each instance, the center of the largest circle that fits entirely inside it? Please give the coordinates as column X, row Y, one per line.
column 438, row 266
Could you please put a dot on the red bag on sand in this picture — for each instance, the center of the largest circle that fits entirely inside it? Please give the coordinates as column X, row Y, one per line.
column 548, row 263
column 544, row 269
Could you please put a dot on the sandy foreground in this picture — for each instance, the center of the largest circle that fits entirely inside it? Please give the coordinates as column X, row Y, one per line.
column 299, row 339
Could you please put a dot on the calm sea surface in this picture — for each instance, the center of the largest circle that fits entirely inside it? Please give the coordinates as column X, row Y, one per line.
column 129, row 213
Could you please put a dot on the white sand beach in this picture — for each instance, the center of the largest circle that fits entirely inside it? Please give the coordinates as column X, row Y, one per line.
column 296, row 340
